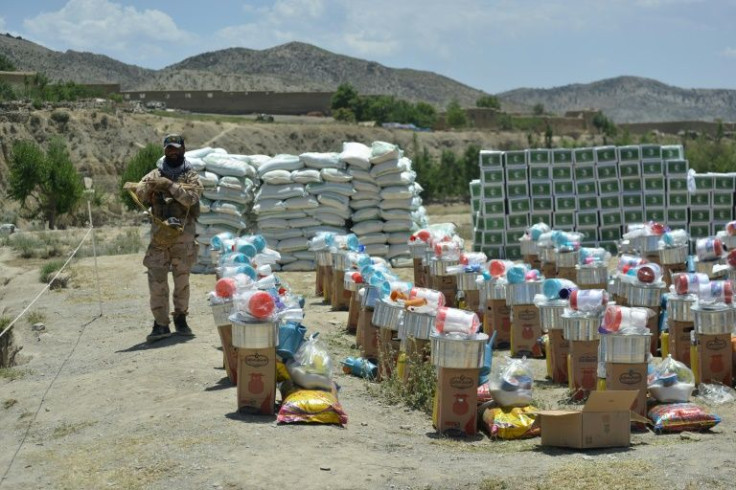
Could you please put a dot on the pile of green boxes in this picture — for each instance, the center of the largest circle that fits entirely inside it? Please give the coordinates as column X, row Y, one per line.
column 595, row 190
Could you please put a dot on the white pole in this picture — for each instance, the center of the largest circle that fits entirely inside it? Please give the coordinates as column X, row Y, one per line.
column 94, row 250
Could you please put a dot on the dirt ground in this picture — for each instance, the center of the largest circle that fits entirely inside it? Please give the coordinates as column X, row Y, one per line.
column 93, row 406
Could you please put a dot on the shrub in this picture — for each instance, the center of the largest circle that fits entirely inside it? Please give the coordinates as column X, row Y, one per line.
column 49, row 269
column 61, row 117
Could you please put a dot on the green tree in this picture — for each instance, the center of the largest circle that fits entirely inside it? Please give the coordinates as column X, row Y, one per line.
column 548, row 135
column 344, row 97
column 6, row 91
column 489, row 101
column 6, row 64
column 142, row 162
column 46, row 184
column 343, row 114
column 604, row 125
column 455, row 115
column 425, row 115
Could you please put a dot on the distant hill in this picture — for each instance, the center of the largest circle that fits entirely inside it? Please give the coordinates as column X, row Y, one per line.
column 295, row 67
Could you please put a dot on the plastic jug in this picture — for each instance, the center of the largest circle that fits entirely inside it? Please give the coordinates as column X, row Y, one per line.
column 675, row 238
column 448, row 250
column 649, row 273
column 617, row 317
column 453, row 320
column 434, row 298
column 217, row 241
column 626, row 262
column 731, row 228
column 517, row 273
column 688, row 282
column 594, row 256
column 258, row 304
column 537, row 229
column 716, row 292
column 558, row 288
column 708, row 248
column 588, row 300
column 498, row 267
column 473, row 258
column 225, row 287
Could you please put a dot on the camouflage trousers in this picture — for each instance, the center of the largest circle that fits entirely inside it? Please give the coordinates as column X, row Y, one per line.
column 177, row 259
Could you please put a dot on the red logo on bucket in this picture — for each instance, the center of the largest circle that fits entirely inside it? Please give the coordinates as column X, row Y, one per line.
column 715, row 344
column 256, row 360
column 462, row 382
column 630, row 378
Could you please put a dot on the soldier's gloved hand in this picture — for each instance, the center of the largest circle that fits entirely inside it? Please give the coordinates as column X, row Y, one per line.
column 160, row 183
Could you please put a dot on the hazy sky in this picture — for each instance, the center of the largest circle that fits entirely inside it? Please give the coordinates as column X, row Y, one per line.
column 491, row 45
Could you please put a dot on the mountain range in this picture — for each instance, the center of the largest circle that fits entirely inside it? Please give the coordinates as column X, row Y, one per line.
column 298, row 66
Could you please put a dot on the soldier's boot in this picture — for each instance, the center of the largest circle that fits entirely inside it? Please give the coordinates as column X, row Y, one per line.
column 159, row 332
column 180, row 323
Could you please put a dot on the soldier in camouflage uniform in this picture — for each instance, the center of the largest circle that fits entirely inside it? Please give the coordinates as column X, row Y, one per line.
column 172, row 190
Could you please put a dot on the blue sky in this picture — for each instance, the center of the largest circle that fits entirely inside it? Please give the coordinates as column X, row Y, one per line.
column 491, row 45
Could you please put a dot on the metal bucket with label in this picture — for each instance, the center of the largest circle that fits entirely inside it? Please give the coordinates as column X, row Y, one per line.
column 418, row 325
column 626, row 349
column 674, row 255
column 592, row 274
column 580, row 327
column 458, row 352
column 418, row 249
column 639, row 295
column 646, row 244
column 323, row 257
column 494, row 289
column 256, row 335
column 529, row 247
column 522, row 293
column 339, row 260
column 349, row 284
column 550, row 313
column 679, row 307
column 438, row 267
column 714, row 320
column 567, row 259
column 387, row 315
column 547, row 254
column 466, row 281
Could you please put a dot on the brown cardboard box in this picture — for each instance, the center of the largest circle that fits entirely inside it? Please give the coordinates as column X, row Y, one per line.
column 679, row 339
column 340, row 299
column 456, row 401
column 570, row 273
column 605, row 421
column 319, row 280
column 368, row 334
column 388, row 352
column 353, row 312
column 714, row 354
column 559, row 348
column 532, row 260
column 526, row 328
column 420, row 280
column 229, row 352
column 549, row 270
column 443, row 282
column 669, row 269
column 621, row 376
column 497, row 318
column 472, row 300
column 653, row 257
column 449, row 294
column 583, row 366
column 257, row 380
column 327, row 283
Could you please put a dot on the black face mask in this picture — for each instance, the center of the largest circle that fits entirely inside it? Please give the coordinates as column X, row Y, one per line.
column 174, row 162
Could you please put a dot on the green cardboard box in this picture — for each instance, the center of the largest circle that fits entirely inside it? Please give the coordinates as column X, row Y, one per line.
column 612, row 247
column 540, row 217
column 517, row 221
column 609, row 186
column 543, row 174
column 520, row 205
column 562, row 156
column 563, row 187
column 491, row 158
column 587, row 219
column 700, row 200
column 494, row 191
column 493, row 238
column 494, row 223
column 630, row 170
column 609, row 202
column 631, row 185
column 653, row 184
column 584, row 155
column 513, row 236
column 655, row 214
column 585, row 172
column 606, row 171
column 476, row 189
column 494, row 252
column 676, row 184
column 517, row 189
column 632, row 216
column 605, row 154
column 564, row 221
column 566, row 203
column 590, row 234
column 539, row 156
column 542, row 204
column 517, row 174
column 587, row 203
column 672, row 152
column 700, row 215
column 632, row 200
column 677, row 167
column 609, row 233
column 653, row 200
column 629, row 154
column 612, row 217
column 513, row 252
column 653, row 168
column 586, row 188
column 651, row 152
column 722, row 200
column 703, row 182
column 676, row 215
column 562, row 173
column 492, row 175
column 541, row 189
column 722, row 215
column 516, row 158
column 678, row 199
column 723, row 183
column 493, row 208
column 699, row 230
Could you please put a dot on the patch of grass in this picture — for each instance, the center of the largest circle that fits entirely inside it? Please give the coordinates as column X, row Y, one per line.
column 49, row 269
column 9, row 403
column 418, row 387
column 66, row 429
column 34, row 317
column 12, row 374
column 129, row 242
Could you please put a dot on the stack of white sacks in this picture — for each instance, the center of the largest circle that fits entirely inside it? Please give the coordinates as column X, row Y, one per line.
column 288, row 199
